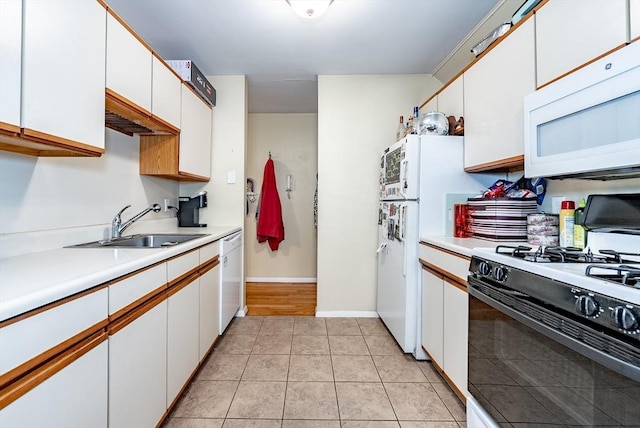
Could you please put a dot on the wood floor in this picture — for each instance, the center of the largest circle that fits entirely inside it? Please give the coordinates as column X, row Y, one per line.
column 281, row 298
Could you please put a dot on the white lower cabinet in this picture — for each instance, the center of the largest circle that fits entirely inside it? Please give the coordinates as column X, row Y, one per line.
column 209, row 308
column 432, row 316
column 455, row 334
column 76, row 396
column 130, row 347
column 138, row 370
column 445, row 314
column 182, row 336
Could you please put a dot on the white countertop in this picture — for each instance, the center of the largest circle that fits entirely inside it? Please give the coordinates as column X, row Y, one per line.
column 33, row 280
column 463, row 246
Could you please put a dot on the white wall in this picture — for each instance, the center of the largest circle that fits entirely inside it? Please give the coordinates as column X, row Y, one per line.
column 225, row 205
column 62, row 196
column 292, row 140
column 357, row 119
column 225, row 200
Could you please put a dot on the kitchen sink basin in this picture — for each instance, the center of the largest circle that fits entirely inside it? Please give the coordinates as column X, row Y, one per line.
column 152, row 240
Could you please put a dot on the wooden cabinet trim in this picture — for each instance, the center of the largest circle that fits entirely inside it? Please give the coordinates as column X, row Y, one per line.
column 111, row 12
column 57, row 145
column 438, row 271
column 512, row 164
column 31, row 380
column 47, row 355
column 599, row 57
column 9, row 129
column 460, row 286
column 52, row 305
column 207, row 266
column 183, row 281
column 117, row 324
column 444, row 250
column 187, row 176
column 134, row 306
column 197, row 94
column 447, row 379
column 429, row 268
column 121, row 106
column 155, row 54
column 491, row 47
column 186, row 384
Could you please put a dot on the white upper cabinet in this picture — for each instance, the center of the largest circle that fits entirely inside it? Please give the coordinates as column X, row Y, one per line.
column 571, row 33
column 494, row 89
column 195, row 135
column 166, row 93
column 451, row 99
column 10, row 66
column 634, row 18
column 63, row 72
column 129, row 64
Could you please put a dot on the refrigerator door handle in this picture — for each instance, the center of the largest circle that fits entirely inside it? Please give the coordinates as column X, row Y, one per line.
column 382, row 248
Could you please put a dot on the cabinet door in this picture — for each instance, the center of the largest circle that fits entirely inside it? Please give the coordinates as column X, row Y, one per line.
column 432, row 316
column 182, row 337
column 494, row 89
column 138, row 370
column 456, row 315
column 450, row 100
column 74, row 397
column 209, row 308
column 634, row 19
column 570, row 33
column 166, row 94
column 63, row 71
column 10, row 66
column 128, row 64
column 195, row 135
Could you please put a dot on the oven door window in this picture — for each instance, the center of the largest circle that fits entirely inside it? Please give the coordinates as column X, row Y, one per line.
column 521, row 376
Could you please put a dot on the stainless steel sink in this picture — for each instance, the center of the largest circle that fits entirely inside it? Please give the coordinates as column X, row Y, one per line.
column 152, row 240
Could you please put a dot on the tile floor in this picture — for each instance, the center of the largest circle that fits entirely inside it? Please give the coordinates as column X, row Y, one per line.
column 314, row 372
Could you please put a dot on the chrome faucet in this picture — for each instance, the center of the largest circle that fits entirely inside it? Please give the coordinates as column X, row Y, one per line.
column 116, row 224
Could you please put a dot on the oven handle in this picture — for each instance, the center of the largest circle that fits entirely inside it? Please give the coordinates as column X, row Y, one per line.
column 619, row 366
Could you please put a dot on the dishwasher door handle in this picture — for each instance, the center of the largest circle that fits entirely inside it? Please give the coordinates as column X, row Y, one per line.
column 233, row 238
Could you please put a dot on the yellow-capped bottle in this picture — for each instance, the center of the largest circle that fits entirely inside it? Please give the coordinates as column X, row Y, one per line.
column 567, row 219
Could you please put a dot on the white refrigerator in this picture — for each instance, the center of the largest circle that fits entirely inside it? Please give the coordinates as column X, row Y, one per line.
column 416, row 173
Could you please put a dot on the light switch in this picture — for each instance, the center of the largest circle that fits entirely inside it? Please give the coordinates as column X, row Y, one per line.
column 231, row 177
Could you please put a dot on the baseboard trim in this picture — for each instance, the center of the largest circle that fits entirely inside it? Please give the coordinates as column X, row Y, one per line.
column 271, row 279
column 242, row 312
column 346, row 314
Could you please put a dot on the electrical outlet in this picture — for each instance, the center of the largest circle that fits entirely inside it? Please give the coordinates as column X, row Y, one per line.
column 169, row 203
column 556, row 201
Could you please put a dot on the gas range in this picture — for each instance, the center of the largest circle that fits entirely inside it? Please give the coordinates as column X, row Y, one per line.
column 602, row 288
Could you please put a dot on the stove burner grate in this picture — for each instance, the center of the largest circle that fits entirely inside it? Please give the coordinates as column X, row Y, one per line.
column 622, row 274
column 554, row 254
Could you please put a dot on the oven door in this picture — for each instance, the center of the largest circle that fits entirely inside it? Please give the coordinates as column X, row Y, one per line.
column 521, row 373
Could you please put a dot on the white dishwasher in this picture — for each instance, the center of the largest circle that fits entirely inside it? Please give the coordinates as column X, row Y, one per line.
column 230, row 278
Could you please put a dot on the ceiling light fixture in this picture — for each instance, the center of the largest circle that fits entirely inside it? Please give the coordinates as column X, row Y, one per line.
column 309, row 9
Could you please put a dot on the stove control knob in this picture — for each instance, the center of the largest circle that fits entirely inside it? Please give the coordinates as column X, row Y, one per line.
column 499, row 273
column 484, row 268
column 625, row 318
column 587, row 306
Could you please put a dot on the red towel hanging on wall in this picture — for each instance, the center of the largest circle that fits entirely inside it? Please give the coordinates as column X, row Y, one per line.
column 270, row 226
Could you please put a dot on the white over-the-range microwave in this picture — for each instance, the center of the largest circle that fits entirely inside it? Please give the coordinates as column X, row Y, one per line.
column 587, row 124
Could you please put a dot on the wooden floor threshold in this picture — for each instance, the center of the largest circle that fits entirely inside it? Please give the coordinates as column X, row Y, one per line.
column 281, row 298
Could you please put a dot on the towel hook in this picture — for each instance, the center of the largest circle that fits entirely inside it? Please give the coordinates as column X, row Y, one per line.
column 269, row 154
